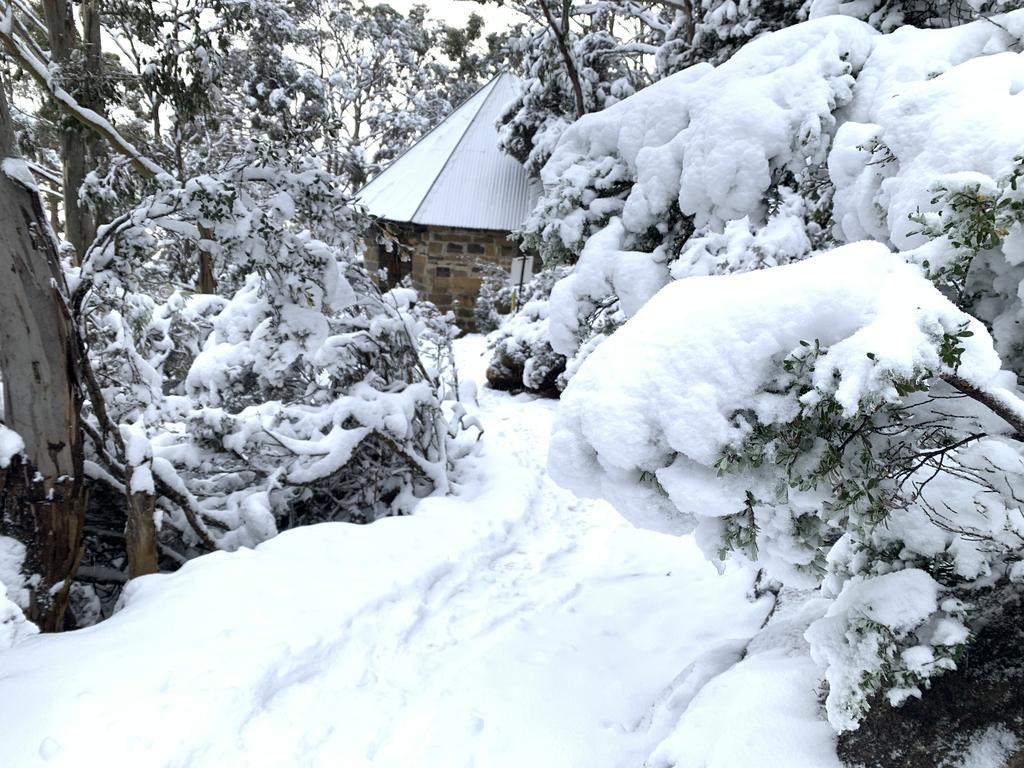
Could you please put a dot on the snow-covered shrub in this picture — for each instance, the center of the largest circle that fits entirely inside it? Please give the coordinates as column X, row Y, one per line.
column 888, row 15
column 724, row 26
column 494, row 302
column 819, row 134
column 841, row 421
column 433, row 333
column 546, row 103
column 296, row 394
column 837, row 421
column 974, row 252
column 711, row 169
column 14, row 627
column 522, row 357
column 580, row 59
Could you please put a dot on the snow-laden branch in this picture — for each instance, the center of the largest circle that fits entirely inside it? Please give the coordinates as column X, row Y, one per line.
column 1002, row 402
column 31, row 15
column 23, row 52
column 47, row 174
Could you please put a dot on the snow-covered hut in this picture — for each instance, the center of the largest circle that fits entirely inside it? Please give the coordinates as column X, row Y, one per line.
column 452, row 199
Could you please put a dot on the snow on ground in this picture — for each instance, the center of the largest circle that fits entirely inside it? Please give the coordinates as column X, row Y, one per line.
column 991, row 749
column 511, row 626
column 768, row 699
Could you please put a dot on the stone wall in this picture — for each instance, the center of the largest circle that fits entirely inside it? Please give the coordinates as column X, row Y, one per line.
column 445, row 264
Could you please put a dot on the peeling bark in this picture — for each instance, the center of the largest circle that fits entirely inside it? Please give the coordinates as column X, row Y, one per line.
column 42, row 494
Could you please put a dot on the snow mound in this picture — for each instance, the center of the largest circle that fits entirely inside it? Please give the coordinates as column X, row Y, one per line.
column 789, row 732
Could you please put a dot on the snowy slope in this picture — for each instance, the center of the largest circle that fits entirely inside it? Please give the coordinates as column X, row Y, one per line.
column 513, row 625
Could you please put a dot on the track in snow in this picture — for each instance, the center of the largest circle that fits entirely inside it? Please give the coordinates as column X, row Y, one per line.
column 514, row 627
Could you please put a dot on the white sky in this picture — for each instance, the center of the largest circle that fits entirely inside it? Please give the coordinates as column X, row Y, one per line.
column 456, row 12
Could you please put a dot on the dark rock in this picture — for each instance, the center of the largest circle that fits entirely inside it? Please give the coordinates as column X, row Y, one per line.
column 987, row 690
column 505, row 373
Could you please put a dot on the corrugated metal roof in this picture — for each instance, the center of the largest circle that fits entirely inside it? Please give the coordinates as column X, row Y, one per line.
column 455, row 176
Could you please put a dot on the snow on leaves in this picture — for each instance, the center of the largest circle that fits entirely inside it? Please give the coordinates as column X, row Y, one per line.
column 800, row 418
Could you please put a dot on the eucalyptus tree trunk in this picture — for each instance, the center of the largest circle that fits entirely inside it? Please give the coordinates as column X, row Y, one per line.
column 81, row 58
column 42, row 495
column 140, row 535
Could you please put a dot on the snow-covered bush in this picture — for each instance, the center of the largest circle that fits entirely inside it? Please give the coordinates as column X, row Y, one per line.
column 818, row 134
column 434, row 333
column 710, row 170
column 494, row 301
column 838, row 422
column 522, row 357
column 842, row 421
column 532, row 124
column 720, row 169
column 14, row 627
column 578, row 59
column 888, row 15
column 723, row 26
column 295, row 395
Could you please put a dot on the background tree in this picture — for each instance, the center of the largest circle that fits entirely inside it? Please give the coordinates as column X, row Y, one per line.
column 386, row 78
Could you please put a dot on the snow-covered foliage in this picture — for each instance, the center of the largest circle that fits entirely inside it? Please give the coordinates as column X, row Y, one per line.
column 721, row 169
column 675, row 180
column 721, row 27
column 546, row 105
column 799, row 418
column 242, row 372
column 839, row 419
column 14, row 627
column 819, row 134
column 888, row 15
column 361, row 79
column 11, row 445
column 522, row 356
column 494, row 301
column 434, row 334
column 579, row 59
column 295, row 396
column 702, row 172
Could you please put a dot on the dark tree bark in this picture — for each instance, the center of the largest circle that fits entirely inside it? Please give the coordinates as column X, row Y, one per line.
column 42, row 495
column 561, row 32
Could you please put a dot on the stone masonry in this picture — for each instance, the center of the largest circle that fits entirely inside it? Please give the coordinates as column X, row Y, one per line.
column 445, row 265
